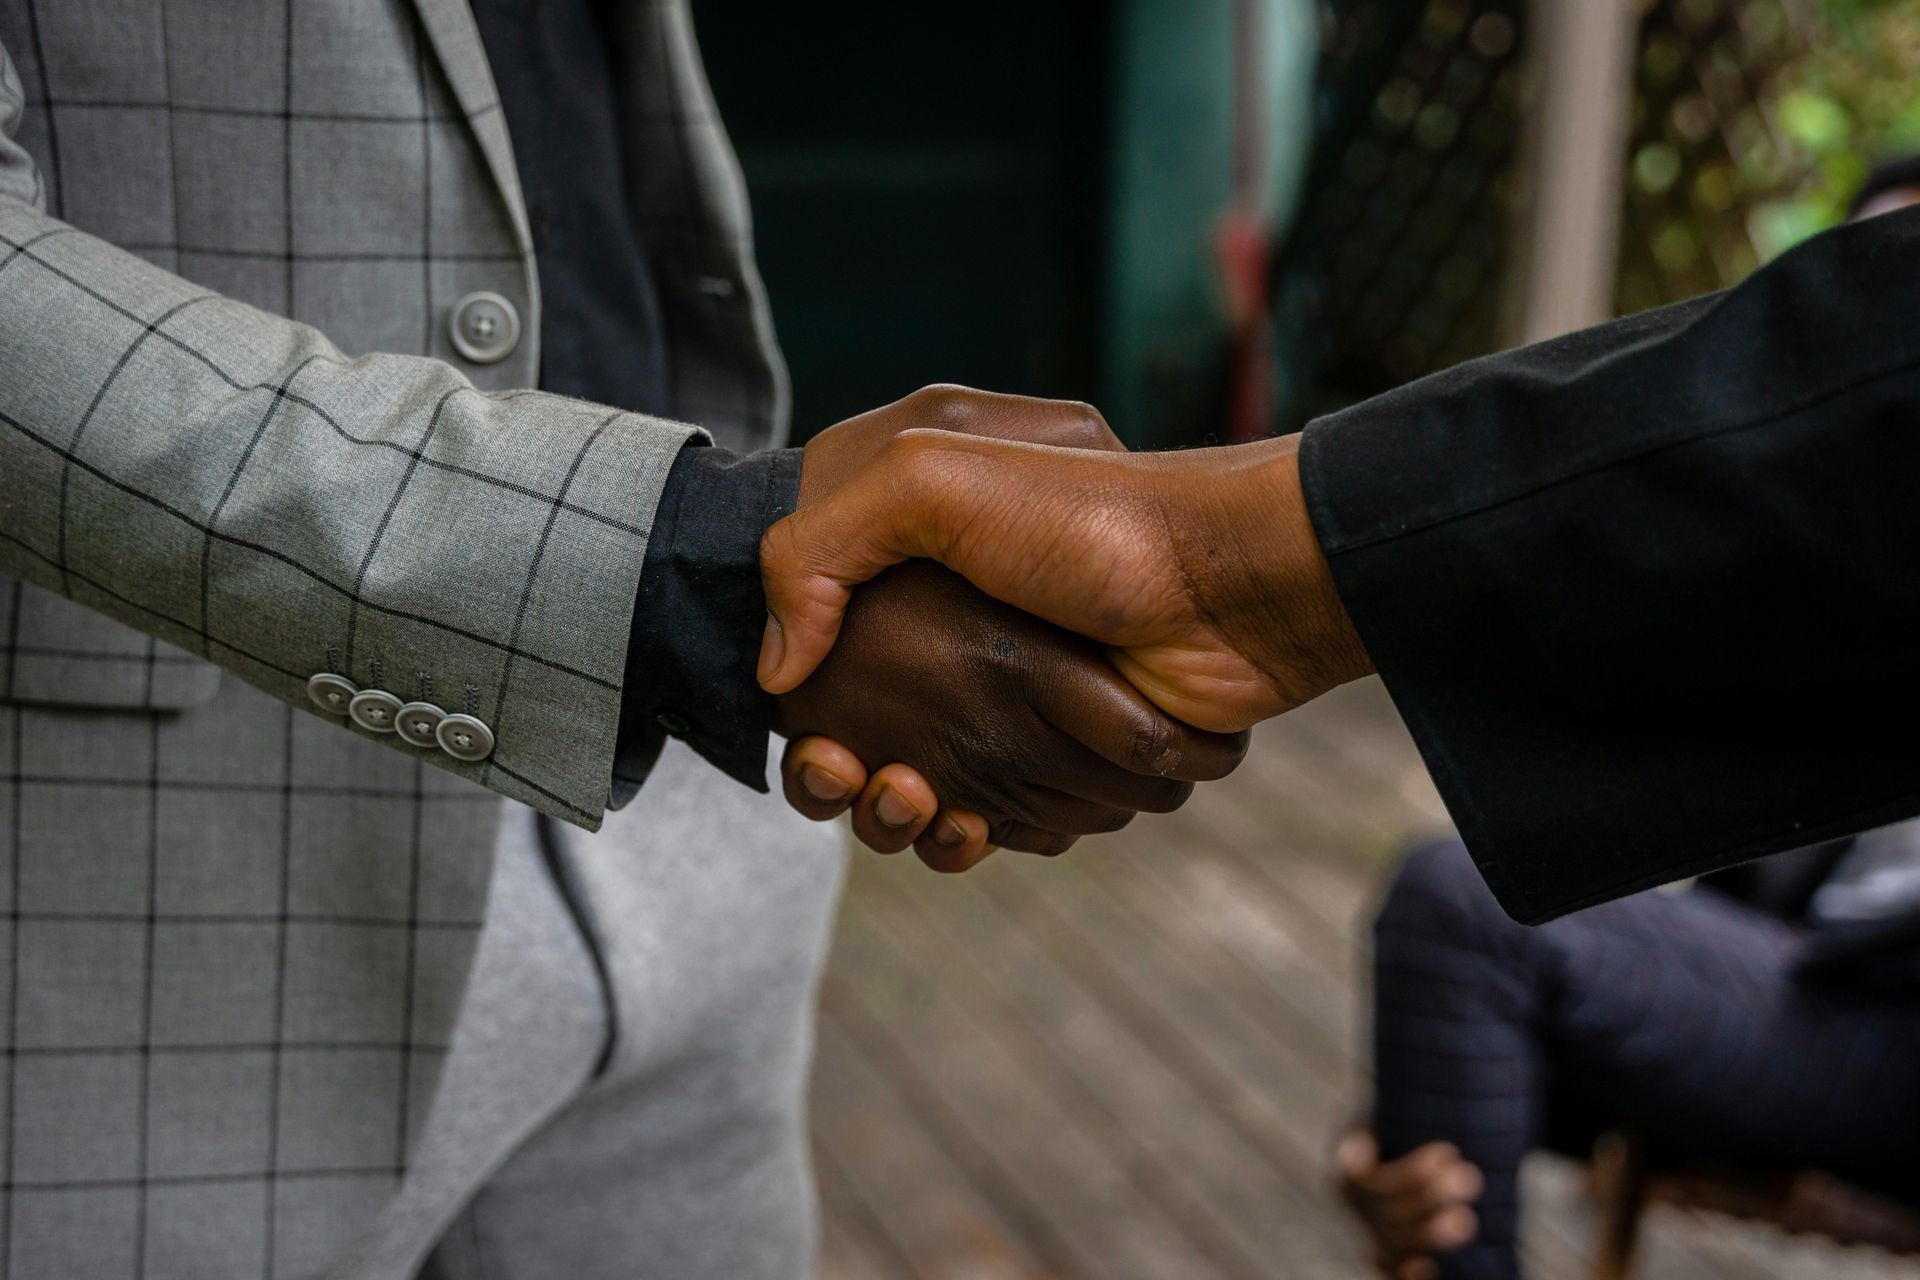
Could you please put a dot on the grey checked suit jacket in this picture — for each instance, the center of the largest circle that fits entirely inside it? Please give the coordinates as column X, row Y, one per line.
column 238, row 448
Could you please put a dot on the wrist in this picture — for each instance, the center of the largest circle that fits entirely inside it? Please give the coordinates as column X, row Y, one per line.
column 699, row 610
column 1270, row 590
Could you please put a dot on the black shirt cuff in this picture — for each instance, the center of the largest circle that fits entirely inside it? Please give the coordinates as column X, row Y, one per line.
column 700, row 614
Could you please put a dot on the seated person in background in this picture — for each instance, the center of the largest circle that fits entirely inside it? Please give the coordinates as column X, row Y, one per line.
column 1713, row 1027
column 1771, row 1018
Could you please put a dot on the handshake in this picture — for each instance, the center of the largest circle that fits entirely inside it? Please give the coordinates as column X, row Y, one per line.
column 1082, row 634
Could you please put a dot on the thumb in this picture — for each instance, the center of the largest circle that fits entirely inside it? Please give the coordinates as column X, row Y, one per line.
column 811, row 561
column 805, row 602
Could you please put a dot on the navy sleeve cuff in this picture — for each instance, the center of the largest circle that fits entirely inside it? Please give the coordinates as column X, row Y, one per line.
column 700, row 614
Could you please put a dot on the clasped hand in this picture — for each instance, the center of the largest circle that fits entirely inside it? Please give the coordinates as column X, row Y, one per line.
column 1105, row 629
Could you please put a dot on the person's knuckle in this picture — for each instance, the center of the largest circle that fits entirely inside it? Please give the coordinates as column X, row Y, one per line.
column 1234, row 751
column 1153, row 746
column 1034, row 809
column 872, row 833
column 948, row 404
column 773, row 542
column 1086, row 427
column 785, row 555
column 948, row 862
column 1032, row 826
column 1165, row 795
column 1208, row 757
column 917, row 454
column 990, row 794
column 1050, row 844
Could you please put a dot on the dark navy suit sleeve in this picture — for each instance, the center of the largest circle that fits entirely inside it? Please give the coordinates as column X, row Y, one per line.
column 700, row 614
column 1648, row 596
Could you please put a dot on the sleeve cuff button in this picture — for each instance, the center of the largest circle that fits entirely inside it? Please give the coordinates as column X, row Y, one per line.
column 374, row 710
column 464, row 738
column 418, row 723
column 332, row 694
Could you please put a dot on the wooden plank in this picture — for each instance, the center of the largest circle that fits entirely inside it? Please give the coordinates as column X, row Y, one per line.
column 896, row 1204
column 1013, row 1129
column 1210, row 905
column 1252, row 1214
column 852, row 1247
column 1365, row 755
column 1127, row 1064
column 1328, row 894
column 1225, row 854
column 1252, row 1078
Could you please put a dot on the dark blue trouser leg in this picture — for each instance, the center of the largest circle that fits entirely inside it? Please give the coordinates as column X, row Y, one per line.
column 1676, row 1014
column 1456, row 1055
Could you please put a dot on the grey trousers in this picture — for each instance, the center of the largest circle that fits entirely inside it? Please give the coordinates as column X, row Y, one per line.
column 686, row 1158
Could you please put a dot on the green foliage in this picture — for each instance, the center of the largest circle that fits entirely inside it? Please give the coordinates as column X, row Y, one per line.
column 1849, row 97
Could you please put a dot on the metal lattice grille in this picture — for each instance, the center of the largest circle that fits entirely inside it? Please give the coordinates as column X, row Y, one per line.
column 1706, row 143
column 1396, row 265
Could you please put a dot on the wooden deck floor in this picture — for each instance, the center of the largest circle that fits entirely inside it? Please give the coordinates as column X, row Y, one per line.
column 1129, row 1063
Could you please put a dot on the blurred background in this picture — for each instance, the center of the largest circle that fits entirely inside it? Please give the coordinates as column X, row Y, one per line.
column 1216, row 219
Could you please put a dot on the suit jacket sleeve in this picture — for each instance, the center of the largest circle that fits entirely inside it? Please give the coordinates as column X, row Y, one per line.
column 227, row 481
column 1647, row 595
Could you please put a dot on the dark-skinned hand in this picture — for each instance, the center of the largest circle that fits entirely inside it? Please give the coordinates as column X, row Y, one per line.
column 1414, row 1208
column 937, row 695
column 1200, row 571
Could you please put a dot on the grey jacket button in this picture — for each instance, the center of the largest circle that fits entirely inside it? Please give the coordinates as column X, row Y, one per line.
column 417, row 721
column 332, row 694
column 485, row 327
column 465, row 738
column 374, row 710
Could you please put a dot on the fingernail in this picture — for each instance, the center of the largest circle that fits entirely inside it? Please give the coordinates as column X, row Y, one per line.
column 822, row 785
column 893, row 810
column 950, row 833
column 773, row 650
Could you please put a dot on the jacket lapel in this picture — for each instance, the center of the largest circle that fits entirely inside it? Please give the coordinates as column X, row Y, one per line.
column 456, row 43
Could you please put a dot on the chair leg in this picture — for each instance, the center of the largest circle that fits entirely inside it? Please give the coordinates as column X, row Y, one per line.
column 1621, row 1183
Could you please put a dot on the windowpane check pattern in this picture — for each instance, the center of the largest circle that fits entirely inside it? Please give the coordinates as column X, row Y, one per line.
column 241, row 449
column 232, row 996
